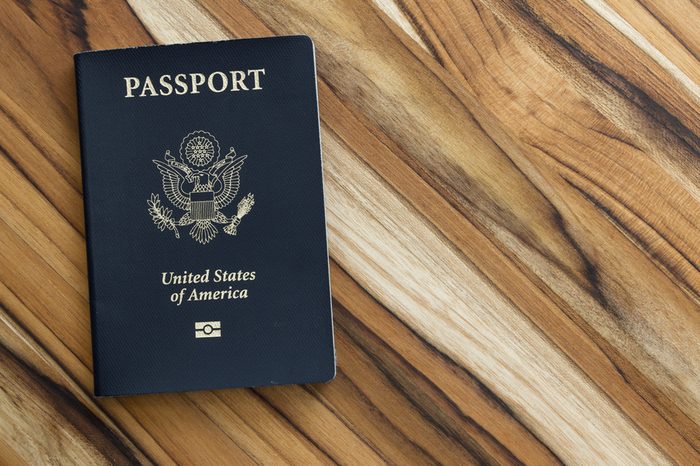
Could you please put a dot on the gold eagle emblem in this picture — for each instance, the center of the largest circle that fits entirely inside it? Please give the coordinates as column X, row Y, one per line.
column 201, row 184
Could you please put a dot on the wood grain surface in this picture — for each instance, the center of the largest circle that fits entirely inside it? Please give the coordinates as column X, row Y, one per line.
column 513, row 203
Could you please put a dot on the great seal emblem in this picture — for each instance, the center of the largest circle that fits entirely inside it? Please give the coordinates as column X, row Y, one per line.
column 201, row 184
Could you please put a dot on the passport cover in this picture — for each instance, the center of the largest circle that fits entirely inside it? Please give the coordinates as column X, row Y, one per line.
column 207, row 254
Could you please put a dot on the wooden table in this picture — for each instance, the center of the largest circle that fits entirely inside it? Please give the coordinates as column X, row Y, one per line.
column 513, row 207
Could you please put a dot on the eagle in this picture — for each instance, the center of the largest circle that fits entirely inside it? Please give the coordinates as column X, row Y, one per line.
column 202, row 193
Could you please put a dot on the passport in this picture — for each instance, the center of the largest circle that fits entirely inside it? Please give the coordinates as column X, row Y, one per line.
column 204, row 216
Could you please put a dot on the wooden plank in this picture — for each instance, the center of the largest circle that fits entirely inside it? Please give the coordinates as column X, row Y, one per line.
column 512, row 200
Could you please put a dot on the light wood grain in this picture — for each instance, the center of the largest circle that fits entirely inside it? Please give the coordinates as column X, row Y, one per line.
column 513, row 209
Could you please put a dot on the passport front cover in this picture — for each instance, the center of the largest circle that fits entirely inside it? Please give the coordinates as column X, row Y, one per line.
column 207, row 254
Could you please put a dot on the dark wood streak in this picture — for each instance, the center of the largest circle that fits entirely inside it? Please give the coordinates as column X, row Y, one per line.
column 295, row 425
column 592, row 273
column 73, row 11
column 17, row 43
column 64, row 370
column 469, row 444
column 374, row 408
column 38, row 188
column 618, row 139
column 618, row 82
column 616, row 314
column 222, row 399
column 73, row 183
column 612, row 355
column 589, row 268
column 477, row 199
column 593, row 277
column 371, row 445
column 26, row 5
column 16, row 321
column 385, row 368
column 418, row 26
column 496, row 401
column 71, row 409
column 571, row 167
column 459, row 201
column 75, row 263
column 557, row 216
column 242, row 448
column 664, row 266
column 669, row 29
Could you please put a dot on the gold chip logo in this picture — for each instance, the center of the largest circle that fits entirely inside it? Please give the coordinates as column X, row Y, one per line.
column 210, row 329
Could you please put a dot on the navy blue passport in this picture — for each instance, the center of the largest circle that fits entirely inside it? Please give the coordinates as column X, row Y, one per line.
column 207, row 254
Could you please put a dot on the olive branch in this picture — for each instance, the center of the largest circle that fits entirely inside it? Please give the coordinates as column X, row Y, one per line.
column 162, row 216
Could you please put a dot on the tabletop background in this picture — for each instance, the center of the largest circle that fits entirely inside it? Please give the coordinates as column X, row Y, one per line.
column 513, row 206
